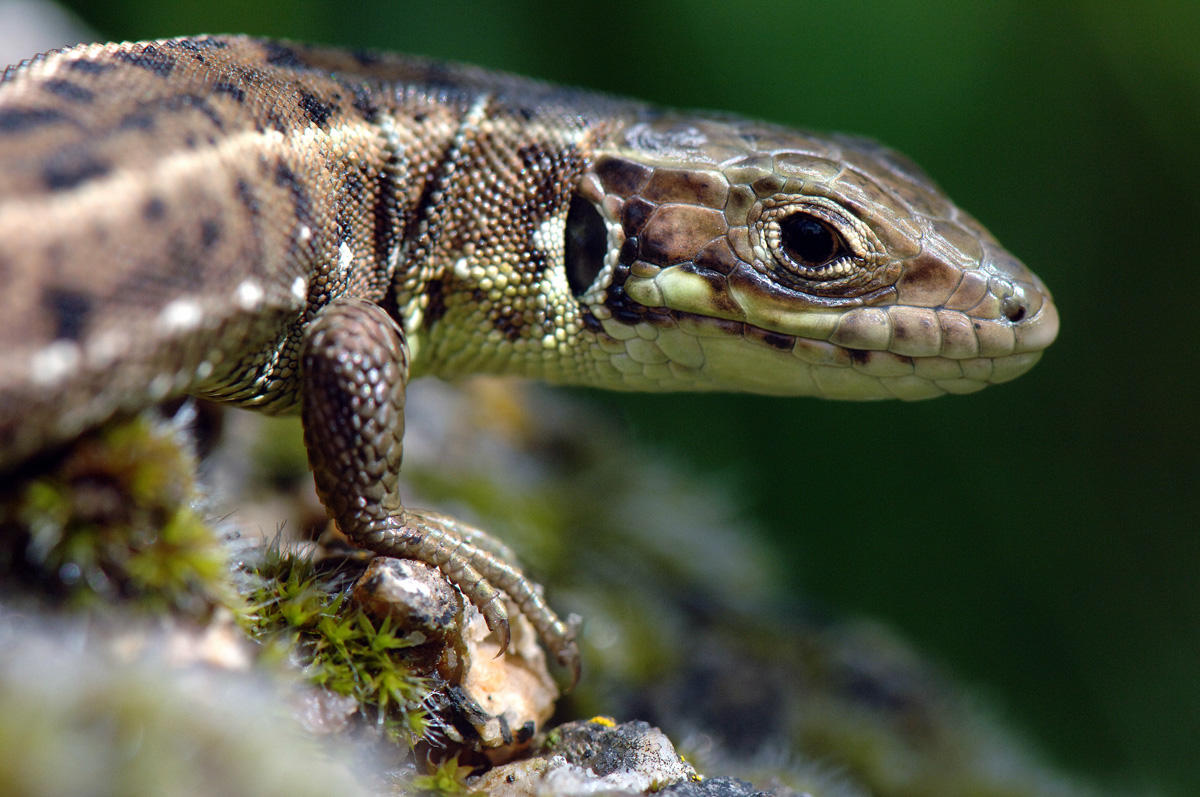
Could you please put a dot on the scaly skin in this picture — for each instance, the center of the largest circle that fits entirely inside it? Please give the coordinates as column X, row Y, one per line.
column 304, row 229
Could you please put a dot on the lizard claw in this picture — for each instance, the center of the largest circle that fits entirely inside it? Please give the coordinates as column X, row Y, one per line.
column 558, row 637
column 496, row 617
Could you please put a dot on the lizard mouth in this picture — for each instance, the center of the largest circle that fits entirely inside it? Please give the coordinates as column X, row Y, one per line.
column 728, row 333
column 985, row 317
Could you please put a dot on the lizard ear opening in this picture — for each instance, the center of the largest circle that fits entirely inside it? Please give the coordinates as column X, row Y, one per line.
column 585, row 245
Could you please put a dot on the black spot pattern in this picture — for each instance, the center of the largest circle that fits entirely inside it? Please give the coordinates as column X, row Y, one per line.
column 154, row 209
column 69, row 309
column 72, row 92
column 435, row 292
column 281, row 55
column 231, row 89
column 628, row 253
column 246, row 195
column 151, row 59
column 19, row 120
column 364, row 103
column 194, row 102
column 197, row 46
column 348, row 212
column 549, row 173
column 318, row 112
column 138, row 120
column 616, row 300
column 510, row 324
column 276, row 121
column 88, row 67
column 301, row 202
column 385, row 211
column 420, row 210
column 590, row 322
column 61, row 175
column 210, row 232
column 778, row 341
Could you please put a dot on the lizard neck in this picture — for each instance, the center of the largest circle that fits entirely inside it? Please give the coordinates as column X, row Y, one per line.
column 483, row 285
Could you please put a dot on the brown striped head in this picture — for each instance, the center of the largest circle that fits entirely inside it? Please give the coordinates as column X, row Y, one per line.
column 713, row 253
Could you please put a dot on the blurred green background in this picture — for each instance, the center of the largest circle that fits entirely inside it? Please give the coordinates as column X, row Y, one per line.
column 1040, row 538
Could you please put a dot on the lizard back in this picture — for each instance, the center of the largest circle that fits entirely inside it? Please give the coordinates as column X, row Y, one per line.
column 173, row 213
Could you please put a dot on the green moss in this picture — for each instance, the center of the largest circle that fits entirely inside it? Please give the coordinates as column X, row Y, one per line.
column 113, row 519
column 449, row 777
column 305, row 614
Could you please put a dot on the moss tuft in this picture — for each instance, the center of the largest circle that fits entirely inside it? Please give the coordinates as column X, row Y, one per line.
column 113, row 519
column 306, row 615
column 448, row 777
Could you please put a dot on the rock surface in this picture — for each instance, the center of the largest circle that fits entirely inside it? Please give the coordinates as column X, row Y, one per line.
column 503, row 699
column 590, row 757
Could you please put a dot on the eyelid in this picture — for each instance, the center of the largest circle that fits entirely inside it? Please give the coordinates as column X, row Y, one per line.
column 860, row 242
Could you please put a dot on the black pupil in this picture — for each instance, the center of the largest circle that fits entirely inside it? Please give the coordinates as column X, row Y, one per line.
column 808, row 241
column 586, row 243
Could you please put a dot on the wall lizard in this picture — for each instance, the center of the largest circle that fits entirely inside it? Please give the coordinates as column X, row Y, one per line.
column 304, row 229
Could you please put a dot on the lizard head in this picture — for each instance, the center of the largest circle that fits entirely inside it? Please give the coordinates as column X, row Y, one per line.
column 713, row 253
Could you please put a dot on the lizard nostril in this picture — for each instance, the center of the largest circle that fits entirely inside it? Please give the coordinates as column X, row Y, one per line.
column 1014, row 308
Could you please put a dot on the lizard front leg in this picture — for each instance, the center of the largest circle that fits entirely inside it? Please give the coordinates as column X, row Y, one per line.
column 354, row 368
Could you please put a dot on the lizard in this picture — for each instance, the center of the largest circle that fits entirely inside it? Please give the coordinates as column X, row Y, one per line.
column 294, row 228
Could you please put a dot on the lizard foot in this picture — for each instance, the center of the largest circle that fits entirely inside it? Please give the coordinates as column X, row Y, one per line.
column 354, row 367
column 482, row 568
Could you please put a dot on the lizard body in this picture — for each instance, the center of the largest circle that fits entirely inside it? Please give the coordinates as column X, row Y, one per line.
column 295, row 228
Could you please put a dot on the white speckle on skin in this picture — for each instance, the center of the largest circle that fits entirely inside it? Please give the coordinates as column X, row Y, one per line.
column 305, row 233
column 345, row 257
column 53, row 363
column 204, row 370
column 181, row 314
column 549, row 234
column 159, row 387
column 106, row 347
column 462, row 269
column 299, row 288
column 249, row 294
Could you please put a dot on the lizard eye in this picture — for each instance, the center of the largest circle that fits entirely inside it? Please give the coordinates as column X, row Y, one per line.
column 817, row 246
column 586, row 244
column 808, row 241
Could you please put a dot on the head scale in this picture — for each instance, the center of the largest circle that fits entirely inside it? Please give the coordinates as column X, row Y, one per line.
column 713, row 253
